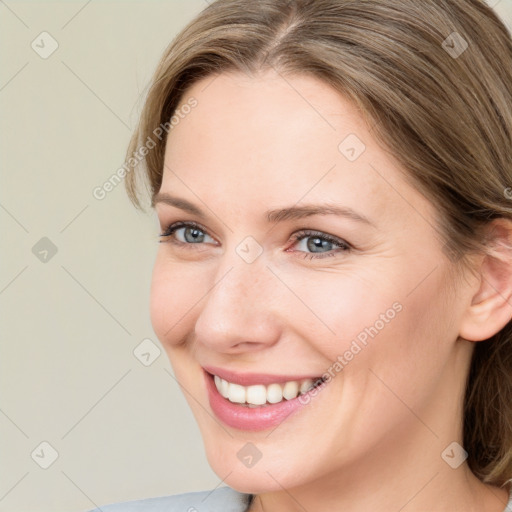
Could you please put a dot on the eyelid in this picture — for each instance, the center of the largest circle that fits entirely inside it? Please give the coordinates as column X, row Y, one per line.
column 181, row 224
column 305, row 233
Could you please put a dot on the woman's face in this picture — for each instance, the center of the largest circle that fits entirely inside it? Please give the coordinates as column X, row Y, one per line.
column 308, row 255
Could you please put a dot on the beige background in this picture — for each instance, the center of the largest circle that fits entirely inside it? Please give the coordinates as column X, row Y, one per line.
column 71, row 320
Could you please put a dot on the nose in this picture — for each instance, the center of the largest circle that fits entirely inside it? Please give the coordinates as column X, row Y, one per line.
column 241, row 312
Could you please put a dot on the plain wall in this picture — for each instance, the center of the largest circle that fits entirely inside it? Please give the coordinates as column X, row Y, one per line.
column 71, row 319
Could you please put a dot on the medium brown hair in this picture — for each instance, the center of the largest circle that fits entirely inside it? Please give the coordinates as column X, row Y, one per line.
column 443, row 110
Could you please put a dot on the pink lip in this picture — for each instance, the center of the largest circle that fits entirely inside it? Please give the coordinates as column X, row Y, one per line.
column 250, row 379
column 248, row 418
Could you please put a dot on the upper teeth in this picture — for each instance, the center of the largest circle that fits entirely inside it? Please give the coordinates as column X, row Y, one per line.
column 260, row 394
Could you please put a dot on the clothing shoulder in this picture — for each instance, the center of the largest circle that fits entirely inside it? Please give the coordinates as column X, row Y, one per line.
column 223, row 499
column 509, row 505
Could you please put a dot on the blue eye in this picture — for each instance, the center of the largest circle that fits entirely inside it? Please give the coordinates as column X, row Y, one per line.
column 319, row 244
column 187, row 233
column 312, row 244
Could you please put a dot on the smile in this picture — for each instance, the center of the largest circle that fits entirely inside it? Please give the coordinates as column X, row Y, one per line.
column 261, row 395
column 253, row 402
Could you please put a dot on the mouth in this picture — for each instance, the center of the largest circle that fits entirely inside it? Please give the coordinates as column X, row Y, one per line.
column 252, row 402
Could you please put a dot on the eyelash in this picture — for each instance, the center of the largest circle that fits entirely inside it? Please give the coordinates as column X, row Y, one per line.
column 296, row 237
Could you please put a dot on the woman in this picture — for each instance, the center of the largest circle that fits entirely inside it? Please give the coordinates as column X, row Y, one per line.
column 334, row 282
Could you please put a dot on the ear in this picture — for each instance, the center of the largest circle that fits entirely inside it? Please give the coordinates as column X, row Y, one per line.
column 491, row 304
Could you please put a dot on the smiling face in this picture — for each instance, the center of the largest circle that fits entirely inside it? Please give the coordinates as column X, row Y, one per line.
column 351, row 283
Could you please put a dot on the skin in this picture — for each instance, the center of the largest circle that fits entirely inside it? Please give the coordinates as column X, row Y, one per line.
column 372, row 438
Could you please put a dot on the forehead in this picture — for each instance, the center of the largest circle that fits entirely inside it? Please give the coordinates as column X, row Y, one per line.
column 271, row 140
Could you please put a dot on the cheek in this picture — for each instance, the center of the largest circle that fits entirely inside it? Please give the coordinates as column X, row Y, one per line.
column 372, row 320
column 339, row 308
column 406, row 358
column 175, row 289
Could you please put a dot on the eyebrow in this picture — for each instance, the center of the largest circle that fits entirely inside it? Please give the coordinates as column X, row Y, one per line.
column 276, row 215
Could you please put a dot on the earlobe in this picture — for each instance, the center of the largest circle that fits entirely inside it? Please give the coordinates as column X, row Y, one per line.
column 491, row 304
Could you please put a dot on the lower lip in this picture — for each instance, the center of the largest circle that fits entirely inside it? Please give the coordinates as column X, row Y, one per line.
column 252, row 418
